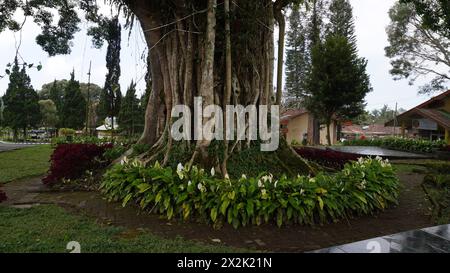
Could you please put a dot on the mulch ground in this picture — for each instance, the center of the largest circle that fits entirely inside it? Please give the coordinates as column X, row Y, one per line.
column 411, row 213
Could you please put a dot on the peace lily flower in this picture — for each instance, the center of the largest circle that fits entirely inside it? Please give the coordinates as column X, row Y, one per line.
column 213, row 171
column 260, row 184
column 378, row 158
column 361, row 160
column 276, row 182
column 124, row 160
column 227, row 177
column 302, row 191
column 189, row 183
column 180, row 169
column 244, row 176
column 263, row 194
column 201, row 187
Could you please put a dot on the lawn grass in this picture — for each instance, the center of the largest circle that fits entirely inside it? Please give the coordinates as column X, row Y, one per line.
column 48, row 229
column 22, row 163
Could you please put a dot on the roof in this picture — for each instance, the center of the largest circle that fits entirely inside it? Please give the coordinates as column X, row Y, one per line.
column 441, row 117
column 374, row 129
column 292, row 113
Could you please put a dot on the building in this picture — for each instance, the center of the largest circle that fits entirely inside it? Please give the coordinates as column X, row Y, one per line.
column 429, row 120
column 298, row 126
column 350, row 132
column 104, row 131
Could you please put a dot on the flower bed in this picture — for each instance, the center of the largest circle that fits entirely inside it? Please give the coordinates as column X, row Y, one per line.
column 71, row 161
column 327, row 158
column 401, row 144
column 362, row 187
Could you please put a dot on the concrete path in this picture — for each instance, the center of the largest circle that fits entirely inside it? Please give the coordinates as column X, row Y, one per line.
column 378, row 151
column 5, row 146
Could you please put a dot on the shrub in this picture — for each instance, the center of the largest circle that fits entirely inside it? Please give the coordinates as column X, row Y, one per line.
column 114, row 152
column 327, row 158
column 66, row 132
column 71, row 161
column 362, row 187
column 140, row 148
column 402, row 144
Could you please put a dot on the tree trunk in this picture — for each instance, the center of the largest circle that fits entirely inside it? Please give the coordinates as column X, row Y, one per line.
column 328, row 133
column 281, row 37
column 190, row 55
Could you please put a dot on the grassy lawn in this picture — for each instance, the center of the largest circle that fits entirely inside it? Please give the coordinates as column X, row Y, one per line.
column 49, row 228
column 27, row 162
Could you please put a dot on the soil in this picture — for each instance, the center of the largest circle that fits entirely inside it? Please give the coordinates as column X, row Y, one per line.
column 411, row 213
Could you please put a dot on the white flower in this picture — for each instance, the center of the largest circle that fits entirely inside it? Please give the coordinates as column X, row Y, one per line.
column 244, row 176
column 302, row 191
column 201, row 187
column 312, row 180
column 260, row 184
column 276, row 182
column 189, row 183
column 180, row 169
column 213, row 171
column 124, row 160
column 227, row 177
column 361, row 160
column 378, row 158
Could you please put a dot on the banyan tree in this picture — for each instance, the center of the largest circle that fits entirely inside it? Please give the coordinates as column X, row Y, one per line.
column 219, row 50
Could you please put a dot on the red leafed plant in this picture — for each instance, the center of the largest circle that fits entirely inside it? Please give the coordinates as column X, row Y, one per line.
column 71, row 161
column 327, row 158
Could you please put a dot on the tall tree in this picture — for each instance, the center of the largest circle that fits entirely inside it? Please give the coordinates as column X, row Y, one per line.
column 111, row 96
column 21, row 102
column 49, row 113
column 337, row 82
column 297, row 57
column 182, row 36
column 129, row 114
column 417, row 49
column 435, row 14
column 74, row 105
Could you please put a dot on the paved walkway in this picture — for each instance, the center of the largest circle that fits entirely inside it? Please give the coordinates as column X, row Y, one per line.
column 426, row 240
column 4, row 146
column 378, row 151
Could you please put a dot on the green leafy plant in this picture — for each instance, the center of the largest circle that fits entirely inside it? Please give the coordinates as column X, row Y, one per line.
column 362, row 187
column 402, row 144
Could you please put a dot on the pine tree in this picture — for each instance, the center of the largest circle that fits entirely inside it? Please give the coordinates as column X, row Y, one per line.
column 341, row 20
column 338, row 82
column 110, row 98
column 74, row 105
column 21, row 102
column 130, row 111
column 297, row 56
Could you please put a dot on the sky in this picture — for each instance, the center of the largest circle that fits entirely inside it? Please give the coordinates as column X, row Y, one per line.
column 371, row 19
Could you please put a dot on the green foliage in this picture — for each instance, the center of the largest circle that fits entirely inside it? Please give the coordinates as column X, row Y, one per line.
column 21, row 108
column 115, row 152
column 361, row 188
column 66, row 132
column 130, row 112
column 49, row 113
column 418, row 47
column 436, row 185
column 338, row 82
column 140, row 148
column 74, row 106
column 401, row 144
column 110, row 98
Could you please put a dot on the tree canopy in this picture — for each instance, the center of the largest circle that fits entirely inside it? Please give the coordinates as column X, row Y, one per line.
column 418, row 47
